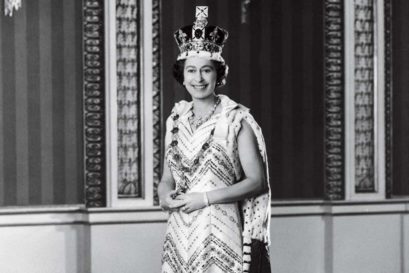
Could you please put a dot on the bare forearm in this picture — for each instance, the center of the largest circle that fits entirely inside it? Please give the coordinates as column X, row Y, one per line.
column 164, row 188
column 254, row 183
column 166, row 184
column 246, row 188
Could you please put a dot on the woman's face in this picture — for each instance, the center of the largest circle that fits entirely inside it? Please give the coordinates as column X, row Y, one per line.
column 199, row 76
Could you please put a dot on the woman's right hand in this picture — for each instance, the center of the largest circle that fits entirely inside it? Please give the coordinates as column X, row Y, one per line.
column 168, row 203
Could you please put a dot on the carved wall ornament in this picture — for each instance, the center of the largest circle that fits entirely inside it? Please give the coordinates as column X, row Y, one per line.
column 364, row 96
column 10, row 6
column 94, row 103
column 334, row 99
column 156, row 98
column 388, row 97
column 128, row 98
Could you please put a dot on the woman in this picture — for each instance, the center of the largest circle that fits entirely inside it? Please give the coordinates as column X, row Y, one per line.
column 215, row 177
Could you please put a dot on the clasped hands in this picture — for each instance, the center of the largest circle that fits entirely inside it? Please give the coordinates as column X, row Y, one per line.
column 187, row 202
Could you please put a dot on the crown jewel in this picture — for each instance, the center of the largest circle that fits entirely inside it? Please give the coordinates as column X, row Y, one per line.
column 200, row 39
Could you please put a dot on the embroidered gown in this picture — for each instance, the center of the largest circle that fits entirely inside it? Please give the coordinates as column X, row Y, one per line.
column 209, row 240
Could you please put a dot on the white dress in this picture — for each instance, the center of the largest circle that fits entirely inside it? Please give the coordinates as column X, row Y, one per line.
column 210, row 239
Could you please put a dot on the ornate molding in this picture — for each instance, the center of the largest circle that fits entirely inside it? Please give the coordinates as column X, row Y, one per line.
column 364, row 45
column 156, row 95
column 388, row 96
column 10, row 6
column 334, row 99
column 94, row 103
column 128, row 98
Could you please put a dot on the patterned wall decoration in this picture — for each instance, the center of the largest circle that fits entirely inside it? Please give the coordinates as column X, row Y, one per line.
column 128, row 93
column 388, row 96
column 364, row 96
column 156, row 94
column 334, row 100
column 94, row 103
column 10, row 6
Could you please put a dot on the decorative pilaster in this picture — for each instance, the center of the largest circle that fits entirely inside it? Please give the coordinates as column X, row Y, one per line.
column 388, row 96
column 364, row 96
column 94, row 103
column 334, row 99
column 156, row 95
column 128, row 98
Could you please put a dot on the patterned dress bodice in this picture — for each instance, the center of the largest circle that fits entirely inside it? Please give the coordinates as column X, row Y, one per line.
column 198, row 160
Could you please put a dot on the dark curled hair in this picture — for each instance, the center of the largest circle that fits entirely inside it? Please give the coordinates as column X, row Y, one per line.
column 221, row 71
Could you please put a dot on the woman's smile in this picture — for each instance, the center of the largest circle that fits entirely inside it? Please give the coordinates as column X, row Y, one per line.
column 199, row 77
column 201, row 86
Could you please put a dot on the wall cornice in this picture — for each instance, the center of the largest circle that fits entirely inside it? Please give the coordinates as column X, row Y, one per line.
column 79, row 215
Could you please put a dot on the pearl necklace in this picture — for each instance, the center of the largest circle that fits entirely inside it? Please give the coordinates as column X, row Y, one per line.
column 196, row 122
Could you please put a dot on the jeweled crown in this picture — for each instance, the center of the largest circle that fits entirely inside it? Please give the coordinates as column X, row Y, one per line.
column 200, row 39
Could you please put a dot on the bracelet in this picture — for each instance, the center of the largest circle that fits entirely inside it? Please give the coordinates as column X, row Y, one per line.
column 206, row 199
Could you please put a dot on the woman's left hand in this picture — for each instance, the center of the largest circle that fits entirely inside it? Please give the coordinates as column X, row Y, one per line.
column 192, row 201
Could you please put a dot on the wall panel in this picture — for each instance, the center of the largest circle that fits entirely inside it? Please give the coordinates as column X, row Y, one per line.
column 400, row 97
column 41, row 104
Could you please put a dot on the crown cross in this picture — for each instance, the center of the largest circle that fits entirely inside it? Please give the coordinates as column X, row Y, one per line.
column 202, row 11
column 198, row 30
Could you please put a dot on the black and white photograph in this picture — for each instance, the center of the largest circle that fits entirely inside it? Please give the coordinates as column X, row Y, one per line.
column 204, row 136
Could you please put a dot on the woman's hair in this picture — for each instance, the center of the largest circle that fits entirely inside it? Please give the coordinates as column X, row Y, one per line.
column 221, row 72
